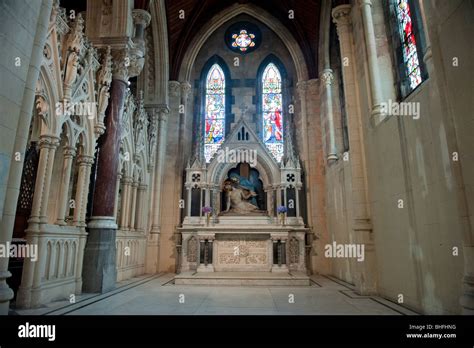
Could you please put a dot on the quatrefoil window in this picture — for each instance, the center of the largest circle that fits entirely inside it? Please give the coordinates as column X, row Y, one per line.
column 196, row 177
column 290, row 177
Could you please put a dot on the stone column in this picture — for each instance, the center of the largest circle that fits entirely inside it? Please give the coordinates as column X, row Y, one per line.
column 43, row 179
column 161, row 112
column 361, row 224
column 117, row 192
column 141, row 196
column 297, row 198
column 31, row 270
column 47, row 181
column 99, row 274
column 126, row 181
column 302, row 87
column 68, row 153
column 82, row 190
column 188, row 203
column 327, row 78
column 371, row 47
column 133, row 209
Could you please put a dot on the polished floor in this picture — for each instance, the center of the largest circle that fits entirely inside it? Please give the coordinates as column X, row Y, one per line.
column 157, row 295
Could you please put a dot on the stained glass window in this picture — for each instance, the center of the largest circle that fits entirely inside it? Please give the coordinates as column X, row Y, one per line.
column 272, row 106
column 214, row 112
column 410, row 54
column 243, row 40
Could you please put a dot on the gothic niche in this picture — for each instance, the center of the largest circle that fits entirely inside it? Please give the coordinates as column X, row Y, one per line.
column 243, row 192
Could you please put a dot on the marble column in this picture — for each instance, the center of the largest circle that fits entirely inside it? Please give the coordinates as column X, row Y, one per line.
column 99, row 273
column 85, row 164
column 373, row 67
column 68, row 153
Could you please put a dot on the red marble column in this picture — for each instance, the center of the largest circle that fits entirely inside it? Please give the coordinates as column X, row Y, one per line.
column 108, row 155
column 99, row 269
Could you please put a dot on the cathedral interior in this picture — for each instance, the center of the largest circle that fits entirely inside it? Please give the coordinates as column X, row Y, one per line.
column 306, row 147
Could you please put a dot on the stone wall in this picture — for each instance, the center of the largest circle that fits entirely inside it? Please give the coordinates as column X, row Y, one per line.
column 412, row 160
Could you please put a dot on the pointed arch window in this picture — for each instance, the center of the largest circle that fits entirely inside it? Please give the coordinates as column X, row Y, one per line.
column 272, row 110
column 214, row 119
column 409, row 44
column 407, row 35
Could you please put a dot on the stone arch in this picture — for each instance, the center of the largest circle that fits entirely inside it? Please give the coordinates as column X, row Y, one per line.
column 258, row 13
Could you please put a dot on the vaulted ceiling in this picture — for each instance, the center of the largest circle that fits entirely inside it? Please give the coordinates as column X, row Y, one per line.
column 304, row 26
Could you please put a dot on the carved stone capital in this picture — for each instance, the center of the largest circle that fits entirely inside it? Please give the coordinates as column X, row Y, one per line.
column 121, row 63
column 48, row 142
column 185, row 89
column 174, row 88
column 365, row 3
column 162, row 113
column 137, row 61
column 341, row 15
column 327, row 77
column 69, row 152
column 141, row 17
column 85, row 160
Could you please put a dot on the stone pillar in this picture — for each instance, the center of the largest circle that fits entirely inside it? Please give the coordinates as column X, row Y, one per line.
column 327, row 78
column 188, row 203
column 133, row 209
column 123, row 203
column 161, row 112
column 302, row 87
column 43, row 179
column 361, row 224
column 205, row 253
column 373, row 67
column 48, row 173
column 32, row 270
column 297, row 198
column 117, row 192
column 141, row 196
column 82, row 189
column 100, row 272
column 126, row 206
column 68, row 153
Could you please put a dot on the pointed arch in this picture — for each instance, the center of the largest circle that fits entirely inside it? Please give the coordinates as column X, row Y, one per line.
column 271, row 78
column 215, row 105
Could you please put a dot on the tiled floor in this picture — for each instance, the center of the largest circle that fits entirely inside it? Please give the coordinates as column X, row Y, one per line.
column 157, row 295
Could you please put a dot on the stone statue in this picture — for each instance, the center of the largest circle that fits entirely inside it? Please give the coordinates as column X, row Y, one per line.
column 238, row 198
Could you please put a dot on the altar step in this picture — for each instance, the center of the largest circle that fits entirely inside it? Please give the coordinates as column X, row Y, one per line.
column 242, row 278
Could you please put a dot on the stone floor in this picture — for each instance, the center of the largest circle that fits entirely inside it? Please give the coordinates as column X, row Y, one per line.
column 157, row 295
